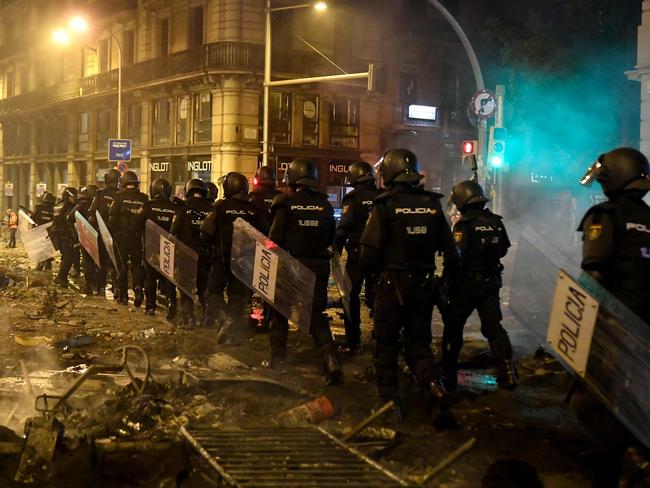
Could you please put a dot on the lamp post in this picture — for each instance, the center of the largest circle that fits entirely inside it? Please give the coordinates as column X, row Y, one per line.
column 320, row 6
column 80, row 25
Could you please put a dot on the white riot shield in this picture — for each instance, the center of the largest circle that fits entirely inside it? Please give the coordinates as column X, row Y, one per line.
column 38, row 244
column 343, row 282
column 87, row 236
column 588, row 330
column 108, row 242
column 174, row 259
column 25, row 222
column 281, row 280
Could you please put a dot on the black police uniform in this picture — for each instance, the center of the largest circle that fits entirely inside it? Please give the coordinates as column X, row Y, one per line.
column 406, row 229
column 218, row 228
column 187, row 227
column 357, row 206
column 303, row 225
column 160, row 211
column 44, row 214
column 482, row 241
column 123, row 222
column 90, row 269
column 102, row 203
column 616, row 244
column 64, row 235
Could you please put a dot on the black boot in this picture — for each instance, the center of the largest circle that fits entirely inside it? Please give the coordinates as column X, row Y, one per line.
column 507, row 375
column 440, row 396
column 331, row 366
column 137, row 300
column 171, row 311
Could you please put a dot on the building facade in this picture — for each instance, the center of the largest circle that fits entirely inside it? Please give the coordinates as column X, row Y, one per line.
column 192, row 88
column 641, row 73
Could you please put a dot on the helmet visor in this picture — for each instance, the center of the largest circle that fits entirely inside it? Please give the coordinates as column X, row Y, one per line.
column 592, row 172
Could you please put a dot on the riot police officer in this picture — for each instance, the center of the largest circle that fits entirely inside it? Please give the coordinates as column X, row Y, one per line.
column 64, row 235
column 218, row 228
column 357, row 206
column 160, row 210
column 90, row 270
column 187, row 227
column 482, row 241
column 406, row 229
column 122, row 219
column 303, row 224
column 44, row 214
column 211, row 190
column 102, row 203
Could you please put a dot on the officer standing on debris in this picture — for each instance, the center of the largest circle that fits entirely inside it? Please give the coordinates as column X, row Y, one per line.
column 90, row 270
column 357, row 206
column 123, row 221
column 102, row 203
column 218, row 229
column 186, row 226
column 64, row 234
column 405, row 230
column 160, row 210
column 303, row 225
column 44, row 214
column 482, row 241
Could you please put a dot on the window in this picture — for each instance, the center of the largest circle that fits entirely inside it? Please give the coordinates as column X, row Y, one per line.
column 310, row 114
column 24, row 139
column 344, row 128
column 10, row 139
column 134, row 123
column 203, row 117
column 10, row 83
column 280, row 118
column 61, row 142
column 195, row 27
column 103, row 54
column 82, row 132
column 161, row 122
column 43, row 142
column 163, row 37
column 103, row 129
column 183, row 120
column 128, row 47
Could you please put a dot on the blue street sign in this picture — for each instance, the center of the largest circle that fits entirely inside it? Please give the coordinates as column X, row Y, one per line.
column 119, row 149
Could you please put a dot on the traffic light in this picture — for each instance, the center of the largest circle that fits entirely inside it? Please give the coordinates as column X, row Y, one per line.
column 468, row 151
column 497, row 147
column 377, row 78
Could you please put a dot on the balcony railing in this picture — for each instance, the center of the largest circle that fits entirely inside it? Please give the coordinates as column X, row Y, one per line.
column 215, row 57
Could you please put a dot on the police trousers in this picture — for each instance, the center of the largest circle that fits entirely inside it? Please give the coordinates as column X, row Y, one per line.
column 202, row 273
column 481, row 295
column 69, row 255
column 319, row 327
column 155, row 280
column 91, row 272
column 359, row 274
column 222, row 280
column 130, row 249
column 403, row 309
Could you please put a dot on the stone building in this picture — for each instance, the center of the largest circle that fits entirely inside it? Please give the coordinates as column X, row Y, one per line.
column 642, row 73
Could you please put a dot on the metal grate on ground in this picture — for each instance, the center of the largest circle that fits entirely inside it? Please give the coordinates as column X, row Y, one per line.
column 287, row 457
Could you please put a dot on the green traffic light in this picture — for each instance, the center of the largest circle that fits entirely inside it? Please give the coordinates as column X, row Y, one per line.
column 496, row 162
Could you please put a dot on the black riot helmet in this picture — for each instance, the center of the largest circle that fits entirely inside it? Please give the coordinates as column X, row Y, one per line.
column 400, row 166
column 195, row 186
column 264, row 176
column 359, row 172
column 620, row 170
column 129, row 178
column 89, row 192
column 301, row 171
column 234, row 183
column 112, row 178
column 69, row 194
column 49, row 198
column 466, row 193
column 211, row 190
column 161, row 188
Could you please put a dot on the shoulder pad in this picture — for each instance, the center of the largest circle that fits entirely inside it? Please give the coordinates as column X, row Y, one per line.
column 383, row 196
column 279, row 200
column 434, row 194
column 600, row 209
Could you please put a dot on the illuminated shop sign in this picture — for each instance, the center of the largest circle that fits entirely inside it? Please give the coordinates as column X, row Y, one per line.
column 423, row 112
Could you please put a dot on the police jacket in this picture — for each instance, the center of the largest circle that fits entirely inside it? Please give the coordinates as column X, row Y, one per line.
column 406, row 229
column 43, row 213
column 187, row 223
column 218, row 226
column 123, row 214
column 303, row 224
column 61, row 226
column 357, row 206
column 83, row 207
column 263, row 197
column 482, row 241
column 102, row 202
column 160, row 211
column 616, row 244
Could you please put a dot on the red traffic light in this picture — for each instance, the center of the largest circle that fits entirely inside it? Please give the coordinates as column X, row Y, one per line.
column 469, row 147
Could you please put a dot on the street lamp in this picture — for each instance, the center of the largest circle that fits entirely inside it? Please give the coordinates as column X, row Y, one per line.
column 319, row 6
column 79, row 25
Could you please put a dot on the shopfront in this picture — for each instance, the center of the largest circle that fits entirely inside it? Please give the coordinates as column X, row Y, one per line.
column 179, row 169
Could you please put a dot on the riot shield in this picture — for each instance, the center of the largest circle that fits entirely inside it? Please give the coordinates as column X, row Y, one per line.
column 172, row 258
column 87, row 237
column 588, row 330
column 38, row 244
column 343, row 282
column 280, row 279
column 25, row 222
column 108, row 242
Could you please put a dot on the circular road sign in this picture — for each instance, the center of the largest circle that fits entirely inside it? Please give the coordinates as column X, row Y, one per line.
column 484, row 104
